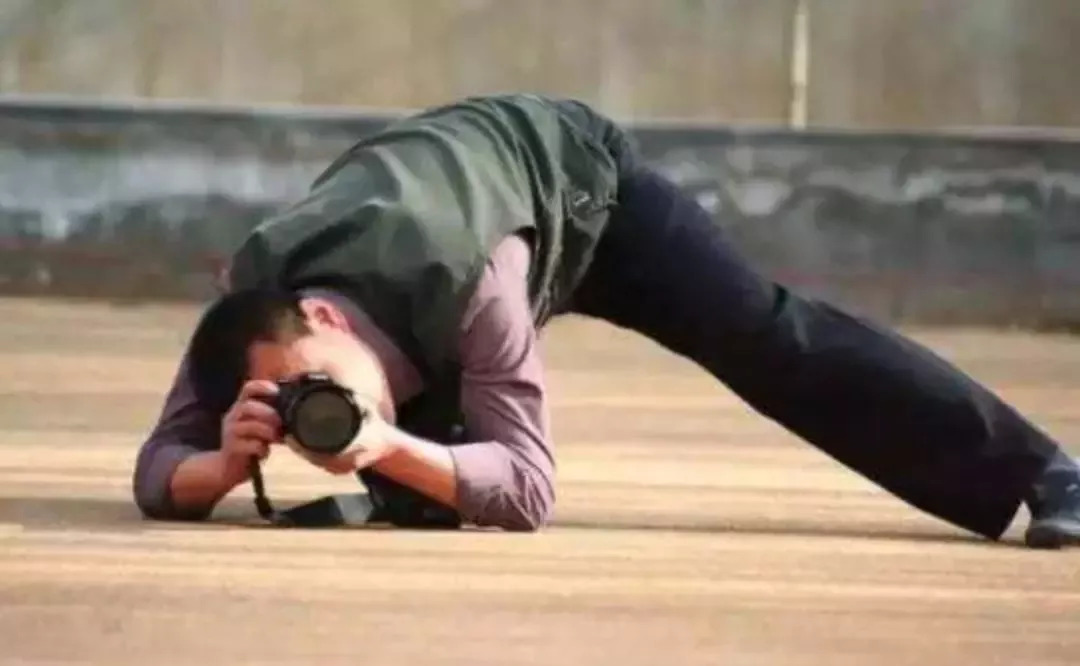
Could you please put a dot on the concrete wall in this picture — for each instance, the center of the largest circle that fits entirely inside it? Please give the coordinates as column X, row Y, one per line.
column 944, row 63
column 129, row 203
column 693, row 58
column 871, row 63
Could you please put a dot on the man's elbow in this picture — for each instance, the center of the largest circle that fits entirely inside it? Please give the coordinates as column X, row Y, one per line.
column 151, row 487
column 531, row 511
column 146, row 490
column 500, row 490
column 528, row 522
column 152, row 506
column 148, row 504
column 151, row 500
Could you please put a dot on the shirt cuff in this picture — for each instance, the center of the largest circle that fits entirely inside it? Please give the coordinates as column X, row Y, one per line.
column 495, row 489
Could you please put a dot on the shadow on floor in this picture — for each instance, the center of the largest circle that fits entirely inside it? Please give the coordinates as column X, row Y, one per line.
column 60, row 513
column 803, row 529
column 114, row 515
column 93, row 514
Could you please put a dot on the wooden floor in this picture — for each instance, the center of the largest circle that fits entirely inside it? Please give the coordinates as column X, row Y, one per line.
column 688, row 531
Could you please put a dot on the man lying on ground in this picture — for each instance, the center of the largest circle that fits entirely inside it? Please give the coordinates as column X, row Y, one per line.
column 424, row 261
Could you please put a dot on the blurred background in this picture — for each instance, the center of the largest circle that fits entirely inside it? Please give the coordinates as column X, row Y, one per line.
column 866, row 63
column 915, row 159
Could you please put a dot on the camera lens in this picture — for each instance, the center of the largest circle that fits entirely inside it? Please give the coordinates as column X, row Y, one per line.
column 325, row 421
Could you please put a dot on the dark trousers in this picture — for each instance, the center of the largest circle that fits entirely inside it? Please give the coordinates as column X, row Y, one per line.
column 875, row 401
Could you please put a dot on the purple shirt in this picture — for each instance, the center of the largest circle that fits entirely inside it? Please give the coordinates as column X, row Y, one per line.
column 505, row 476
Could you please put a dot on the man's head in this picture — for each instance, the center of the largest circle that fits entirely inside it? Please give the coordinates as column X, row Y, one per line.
column 274, row 334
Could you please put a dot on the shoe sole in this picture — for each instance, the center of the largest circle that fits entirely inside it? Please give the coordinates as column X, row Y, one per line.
column 1052, row 534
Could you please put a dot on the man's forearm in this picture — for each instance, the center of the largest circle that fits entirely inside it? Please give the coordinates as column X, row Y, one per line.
column 484, row 481
column 424, row 466
column 202, row 480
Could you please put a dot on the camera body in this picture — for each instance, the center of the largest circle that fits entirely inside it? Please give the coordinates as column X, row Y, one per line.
column 318, row 413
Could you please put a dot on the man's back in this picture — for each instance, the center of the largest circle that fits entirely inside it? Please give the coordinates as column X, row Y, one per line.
column 448, row 235
column 405, row 219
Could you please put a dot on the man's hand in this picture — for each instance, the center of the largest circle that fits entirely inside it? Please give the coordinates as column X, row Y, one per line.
column 248, row 430
column 250, row 426
column 426, row 467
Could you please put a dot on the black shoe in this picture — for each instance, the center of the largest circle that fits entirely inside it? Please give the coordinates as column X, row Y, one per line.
column 1055, row 516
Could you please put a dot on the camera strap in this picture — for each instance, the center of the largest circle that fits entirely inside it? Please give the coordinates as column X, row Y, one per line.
column 347, row 509
column 385, row 502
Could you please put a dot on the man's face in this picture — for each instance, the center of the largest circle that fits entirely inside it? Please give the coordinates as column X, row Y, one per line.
column 331, row 349
column 295, row 355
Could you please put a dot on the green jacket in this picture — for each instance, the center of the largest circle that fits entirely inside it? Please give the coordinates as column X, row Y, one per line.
column 404, row 221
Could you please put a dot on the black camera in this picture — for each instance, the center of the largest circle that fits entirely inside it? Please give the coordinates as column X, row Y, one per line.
column 321, row 415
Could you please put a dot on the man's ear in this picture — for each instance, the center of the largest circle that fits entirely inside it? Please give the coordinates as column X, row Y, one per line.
column 323, row 314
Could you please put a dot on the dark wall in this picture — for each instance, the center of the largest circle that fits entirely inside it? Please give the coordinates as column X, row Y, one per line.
column 146, row 203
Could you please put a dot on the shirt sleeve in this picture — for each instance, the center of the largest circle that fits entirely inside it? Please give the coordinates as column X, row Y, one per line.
column 506, row 470
column 184, row 428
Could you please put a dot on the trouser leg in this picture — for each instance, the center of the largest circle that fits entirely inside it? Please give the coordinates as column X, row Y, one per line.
column 874, row 400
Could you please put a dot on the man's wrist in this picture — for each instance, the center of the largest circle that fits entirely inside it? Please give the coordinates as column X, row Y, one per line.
column 424, row 466
column 234, row 469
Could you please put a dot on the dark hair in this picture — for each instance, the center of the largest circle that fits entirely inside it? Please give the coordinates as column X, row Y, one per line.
column 218, row 352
